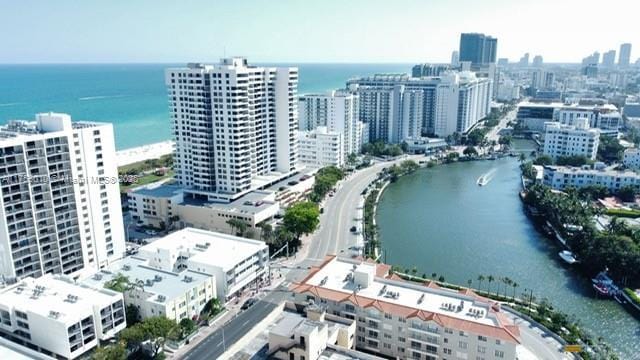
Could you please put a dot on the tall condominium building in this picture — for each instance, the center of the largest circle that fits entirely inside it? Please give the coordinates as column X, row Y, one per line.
column 537, row 61
column 609, row 59
column 625, row 55
column 524, row 60
column 60, row 209
column 234, row 125
column 478, row 48
column 542, row 79
column 408, row 320
column 397, row 107
column 422, row 70
column 336, row 110
column 455, row 58
column 571, row 140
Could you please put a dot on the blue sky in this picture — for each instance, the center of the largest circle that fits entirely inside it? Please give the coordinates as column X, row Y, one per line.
column 45, row 31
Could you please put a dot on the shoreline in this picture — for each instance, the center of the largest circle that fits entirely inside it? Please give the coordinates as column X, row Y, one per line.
column 144, row 152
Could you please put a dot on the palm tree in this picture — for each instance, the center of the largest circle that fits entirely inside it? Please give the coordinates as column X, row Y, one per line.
column 515, row 285
column 480, row 280
column 490, row 279
column 434, row 275
column 522, row 157
column 469, row 282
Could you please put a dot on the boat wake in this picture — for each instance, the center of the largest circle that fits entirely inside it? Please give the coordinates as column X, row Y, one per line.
column 100, row 97
column 10, row 104
column 485, row 178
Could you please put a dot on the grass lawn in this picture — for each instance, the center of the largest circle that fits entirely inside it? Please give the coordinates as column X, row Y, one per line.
column 144, row 180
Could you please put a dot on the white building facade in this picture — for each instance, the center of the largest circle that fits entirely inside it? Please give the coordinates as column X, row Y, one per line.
column 400, row 319
column 567, row 140
column 232, row 122
column 155, row 292
column 236, row 263
column 320, row 148
column 58, row 317
column 397, row 107
column 631, row 158
column 561, row 177
column 60, row 211
column 338, row 111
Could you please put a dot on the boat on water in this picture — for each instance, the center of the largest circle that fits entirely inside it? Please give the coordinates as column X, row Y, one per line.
column 604, row 286
column 482, row 180
column 568, row 257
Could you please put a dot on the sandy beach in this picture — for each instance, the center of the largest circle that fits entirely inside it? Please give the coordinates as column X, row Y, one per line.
column 145, row 152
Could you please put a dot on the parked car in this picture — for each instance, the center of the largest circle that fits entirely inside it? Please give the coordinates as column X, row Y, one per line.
column 151, row 232
column 248, row 303
column 353, row 229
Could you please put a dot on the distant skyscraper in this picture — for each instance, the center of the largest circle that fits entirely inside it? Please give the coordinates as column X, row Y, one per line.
column 503, row 62
column 609, row 59
column 421, row 70
column 625, row 55
column 232, row 123
column 455, row 59
column 537, row 61
column 591, row 60
column 524, row 60
column 478, row 48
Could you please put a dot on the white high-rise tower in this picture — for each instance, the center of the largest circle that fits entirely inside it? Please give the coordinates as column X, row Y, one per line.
column 234, row 124
column 60, row 210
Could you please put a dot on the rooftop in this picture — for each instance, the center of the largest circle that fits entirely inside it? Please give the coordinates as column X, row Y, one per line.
column 161, row 284
column 208, row 247
column 251, row 203
column 591, row 171
column 338, row 279
column 55, row 297
column 45, row 123
column 159, row 191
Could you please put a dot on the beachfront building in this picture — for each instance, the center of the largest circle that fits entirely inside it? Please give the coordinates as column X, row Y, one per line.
column 57, row 317
column 338, row 111
column 61, row 209
column 236, row 263
column 561, row 177
column 235, row 126
column 400, row 319
column 320, row 148
column 571, row 140
column 397, row 107
column 631, row 158
column 156, row 292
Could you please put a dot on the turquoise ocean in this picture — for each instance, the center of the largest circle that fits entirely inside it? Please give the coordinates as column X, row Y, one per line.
column 131, row 96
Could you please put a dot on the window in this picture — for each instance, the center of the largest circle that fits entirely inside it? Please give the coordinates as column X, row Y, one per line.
column 499, row 354
column 482, row 349
column 482, row 338
column 462, row 345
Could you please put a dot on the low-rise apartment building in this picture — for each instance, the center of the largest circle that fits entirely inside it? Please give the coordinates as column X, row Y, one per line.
column 320, row 148
column 631, row 158
column 55, row 316
column 401, row 319
column 236, row 263
column 156, row 292
column 561, row 177
column 571, row 140
column 155, row 204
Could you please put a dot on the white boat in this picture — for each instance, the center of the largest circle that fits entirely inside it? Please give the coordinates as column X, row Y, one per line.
column 568, row 257
column 482, row 181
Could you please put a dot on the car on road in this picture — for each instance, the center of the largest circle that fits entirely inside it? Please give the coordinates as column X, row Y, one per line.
column 248, row 303
column 353, row 229
column 151, row 232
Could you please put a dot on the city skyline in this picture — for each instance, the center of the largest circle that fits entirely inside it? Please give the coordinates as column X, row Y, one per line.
column 150, row 32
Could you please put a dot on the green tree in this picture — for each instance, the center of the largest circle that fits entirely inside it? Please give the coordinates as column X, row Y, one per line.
column 110, row 352
column 543, row 160
column 480, row 280
column 627, row 193
column 572, row 160
column 187, row 326
column 352, row 159
column 301, row 218
column 132, row 314
column 452, row 156
column 470, row 151
column 505, row 141
column 490, row 279
column 238, row 226
column 610, row 150
column 119, row 283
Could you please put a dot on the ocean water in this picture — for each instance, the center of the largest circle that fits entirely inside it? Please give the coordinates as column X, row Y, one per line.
column 131, row 96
